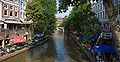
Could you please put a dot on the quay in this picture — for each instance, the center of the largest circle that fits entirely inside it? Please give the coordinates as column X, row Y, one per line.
column 89, row 55
column 7, row 56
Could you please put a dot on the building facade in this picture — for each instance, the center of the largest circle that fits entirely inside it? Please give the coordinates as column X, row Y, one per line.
column 9, row 13
column 12, row 24
column 99, row 9
column 22, row 4
column 59, row 21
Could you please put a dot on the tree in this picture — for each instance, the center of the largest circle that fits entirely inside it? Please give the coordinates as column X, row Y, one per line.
column 113, row 20
column 81, row 19
column 42, row 13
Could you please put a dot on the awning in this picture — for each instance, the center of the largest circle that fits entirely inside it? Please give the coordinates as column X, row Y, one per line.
column 18, row 39
column 13, row 22
column 104, row 48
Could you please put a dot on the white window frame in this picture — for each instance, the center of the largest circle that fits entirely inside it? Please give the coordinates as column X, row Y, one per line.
column 16, row 8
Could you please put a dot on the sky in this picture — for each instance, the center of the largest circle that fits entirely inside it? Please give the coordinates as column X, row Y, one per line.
column 63, row 14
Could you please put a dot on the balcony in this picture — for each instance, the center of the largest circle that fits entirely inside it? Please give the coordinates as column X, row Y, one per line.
column 106, row 35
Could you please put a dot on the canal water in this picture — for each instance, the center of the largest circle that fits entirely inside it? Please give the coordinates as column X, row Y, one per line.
column 60, row 48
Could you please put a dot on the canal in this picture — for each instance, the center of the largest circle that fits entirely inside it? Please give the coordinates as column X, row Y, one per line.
column 60, row 48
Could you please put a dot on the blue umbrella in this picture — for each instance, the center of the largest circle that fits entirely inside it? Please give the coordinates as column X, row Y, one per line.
column 38, row 35
column 93, row 38
column 96, row 49
column 81, row 36
column 104, row 48
column 87, row 38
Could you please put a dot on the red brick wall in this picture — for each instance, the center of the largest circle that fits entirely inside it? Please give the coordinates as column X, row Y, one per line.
column 9, row 11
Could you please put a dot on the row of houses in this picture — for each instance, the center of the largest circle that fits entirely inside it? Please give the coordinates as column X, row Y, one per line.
column 12, row 15
column 99, row 9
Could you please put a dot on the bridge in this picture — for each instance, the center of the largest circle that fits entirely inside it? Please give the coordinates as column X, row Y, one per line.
column 60, row 28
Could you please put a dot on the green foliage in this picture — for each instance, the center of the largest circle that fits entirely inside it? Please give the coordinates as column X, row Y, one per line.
column 42, row 13
column 64, row 4
column 80, row 19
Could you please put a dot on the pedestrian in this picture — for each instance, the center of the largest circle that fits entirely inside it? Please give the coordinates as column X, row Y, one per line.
column 1, row 52
column 97, row 57
column 114, row 60
column 8, row 50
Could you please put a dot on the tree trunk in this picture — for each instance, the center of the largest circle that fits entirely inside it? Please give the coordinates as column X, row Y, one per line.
column 114, row 23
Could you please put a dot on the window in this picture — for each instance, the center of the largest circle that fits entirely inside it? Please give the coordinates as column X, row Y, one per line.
column 11, row 7
column 11, row 13
column 116, row 9
column 20, row 14
column 6, row 6
column 101, row 15
column 16, row 14
column 105, row 14
column 21, row 3
column 23, row 15
column 115, row 2
column 98, row 7
column 98, row 15
column 5, row 12
column 119, row 9
column 16, row 8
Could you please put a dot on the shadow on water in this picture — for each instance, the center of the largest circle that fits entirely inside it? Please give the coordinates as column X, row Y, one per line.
column 74, row 51
column 60, row 48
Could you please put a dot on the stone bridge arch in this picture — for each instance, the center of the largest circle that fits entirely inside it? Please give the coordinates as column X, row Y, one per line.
column 60, row 28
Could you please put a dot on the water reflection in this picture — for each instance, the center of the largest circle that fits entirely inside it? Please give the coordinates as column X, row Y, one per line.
column 60, row 48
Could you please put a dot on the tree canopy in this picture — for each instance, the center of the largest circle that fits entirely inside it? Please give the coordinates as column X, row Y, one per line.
column 81, row 19
column 42, row 13
column 64, row 4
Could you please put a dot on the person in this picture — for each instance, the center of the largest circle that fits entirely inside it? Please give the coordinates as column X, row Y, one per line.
column 114, row 60
column 8, row 50
column 13, row 48
column 1, row 52
column 97, row 57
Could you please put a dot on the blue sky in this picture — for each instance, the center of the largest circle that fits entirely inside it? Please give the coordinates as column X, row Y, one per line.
column 63, row 14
